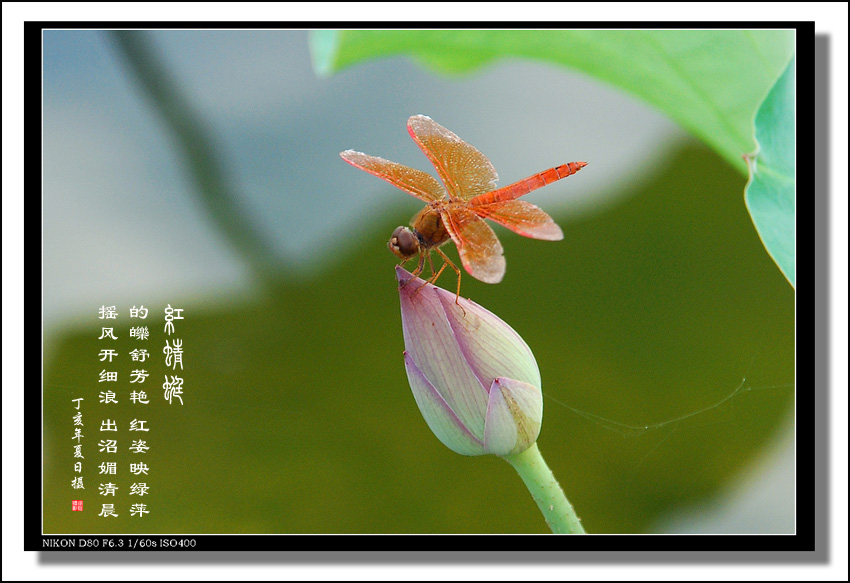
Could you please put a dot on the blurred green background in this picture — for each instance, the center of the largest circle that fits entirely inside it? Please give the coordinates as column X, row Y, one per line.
column 645, row 320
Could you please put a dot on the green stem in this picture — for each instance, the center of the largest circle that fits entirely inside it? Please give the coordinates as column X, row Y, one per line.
column 546, row 491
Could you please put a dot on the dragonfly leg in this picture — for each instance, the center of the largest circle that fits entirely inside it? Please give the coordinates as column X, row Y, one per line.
column 431, row 265
column 421, row 268
column 434, row 276
column 456, row 270
column 418, row 269
column 447, row 261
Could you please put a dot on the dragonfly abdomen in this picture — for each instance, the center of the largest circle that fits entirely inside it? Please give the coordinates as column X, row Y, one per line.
column 523, row 187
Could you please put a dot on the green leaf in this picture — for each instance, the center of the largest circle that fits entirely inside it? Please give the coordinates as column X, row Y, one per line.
column 770, row 193
column 709, row 81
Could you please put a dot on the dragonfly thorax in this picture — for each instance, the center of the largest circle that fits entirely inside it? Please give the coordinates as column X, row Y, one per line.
column 428, row 225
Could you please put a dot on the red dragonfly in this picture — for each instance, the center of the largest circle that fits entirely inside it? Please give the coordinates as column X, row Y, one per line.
column 457, row 207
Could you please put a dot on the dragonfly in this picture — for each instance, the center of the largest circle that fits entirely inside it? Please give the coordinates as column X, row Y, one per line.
column 456, row 209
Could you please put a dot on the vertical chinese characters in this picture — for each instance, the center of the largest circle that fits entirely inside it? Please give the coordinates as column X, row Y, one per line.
column 108, row 396
column 138, row 427
column 173, row 351
column 125, row 409
column 120, row 366
column 77, row 479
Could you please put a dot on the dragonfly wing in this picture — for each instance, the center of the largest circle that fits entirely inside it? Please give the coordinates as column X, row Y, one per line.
column 465, row 171
column 414, row 182
column 479, row 248
column 521, row 217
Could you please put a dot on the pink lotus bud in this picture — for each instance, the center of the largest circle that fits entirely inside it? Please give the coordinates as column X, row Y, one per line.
column 475, row 380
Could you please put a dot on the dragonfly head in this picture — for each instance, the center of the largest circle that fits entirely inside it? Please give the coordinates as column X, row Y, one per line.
column 404, row 243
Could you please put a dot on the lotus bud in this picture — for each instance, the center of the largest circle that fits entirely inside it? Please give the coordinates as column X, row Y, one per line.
column 473, row 377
